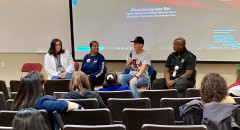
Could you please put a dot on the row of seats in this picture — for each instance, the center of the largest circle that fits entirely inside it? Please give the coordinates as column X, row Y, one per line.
column 133, row 118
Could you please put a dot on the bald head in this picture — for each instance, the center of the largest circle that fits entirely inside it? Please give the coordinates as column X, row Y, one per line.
column 179, row 44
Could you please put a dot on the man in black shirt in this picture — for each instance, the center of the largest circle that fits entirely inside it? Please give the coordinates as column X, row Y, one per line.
column 179, row 69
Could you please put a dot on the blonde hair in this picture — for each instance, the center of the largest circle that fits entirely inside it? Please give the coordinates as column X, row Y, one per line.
column 78, row 82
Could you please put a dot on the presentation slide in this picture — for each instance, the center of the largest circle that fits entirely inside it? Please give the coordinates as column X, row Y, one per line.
column 211, row 27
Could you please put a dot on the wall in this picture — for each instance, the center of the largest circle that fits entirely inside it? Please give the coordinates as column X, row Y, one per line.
column 14, row 61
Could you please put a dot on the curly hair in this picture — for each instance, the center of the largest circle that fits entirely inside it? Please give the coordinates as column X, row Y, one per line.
column 213, row 88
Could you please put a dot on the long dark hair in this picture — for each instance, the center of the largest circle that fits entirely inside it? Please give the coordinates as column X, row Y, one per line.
column 29, row 119
column 29, row 91
column 52, row 50
column 213, row 88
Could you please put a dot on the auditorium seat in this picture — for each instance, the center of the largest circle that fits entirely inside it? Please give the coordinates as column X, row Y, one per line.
column 114, row 94
column 173, row 127
column 52, row 86
column 134, row 118
column 14, row 85
column 59, row 95
column 175, row 103
column 9, row 103
column 116, row 106
column 192, row 92
column 2, row 102
column 96, row 127
column 5, row 128
column 3, row 88
column 87, row 117
column 90, row 103
column 156, row 95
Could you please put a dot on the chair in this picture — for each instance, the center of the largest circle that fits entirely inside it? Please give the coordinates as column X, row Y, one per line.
column 175, row 103
column 116, row 106
column 6, row 117
column 28, row 67
column 76, row 66
column 3, row 88
column 96, row 127
column 156, row 95
column 237, row 100
column 87, row 117
column 173, row 127
column 13, row 95
column 114, row 94
column 192, row 92
column 9, row 103
column 134, row 118
column 56, row 86
column 90, row 103
column 14, row 85
column 5, row 128
column 59, row 95
column 2, row 102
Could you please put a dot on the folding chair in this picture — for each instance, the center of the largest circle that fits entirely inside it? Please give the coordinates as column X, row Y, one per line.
column 96, row 127
column 76, row 66
column 116, row 106
column 28, row 67
column 156, row 95
column 3, row 88
column 114, row 94
column 56, row 86
column 173, row 127
column 134, row 118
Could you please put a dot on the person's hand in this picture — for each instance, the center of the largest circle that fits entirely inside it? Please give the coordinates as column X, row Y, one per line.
column 62, row 75
column 133, row 80
column 170, row 84
column 129, row 60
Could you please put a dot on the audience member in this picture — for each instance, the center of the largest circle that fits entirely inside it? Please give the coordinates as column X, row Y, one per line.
column 31, row 94
column 93, row 65
column 79, row 86
column 234, row 89
column 111, row 83
column 179, row 69
column 59, row 63
column 217, row 109
column 138, row 61
column 29, row 119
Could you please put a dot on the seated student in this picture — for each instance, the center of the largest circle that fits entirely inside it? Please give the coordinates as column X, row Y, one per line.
column 234, row 89
column 31, row 94
column 111, row 83
column 216, row 108
column 29, row 119
column 79, row 89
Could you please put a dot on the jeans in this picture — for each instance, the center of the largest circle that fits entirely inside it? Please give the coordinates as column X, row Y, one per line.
column 68, row 76
column 124, row 79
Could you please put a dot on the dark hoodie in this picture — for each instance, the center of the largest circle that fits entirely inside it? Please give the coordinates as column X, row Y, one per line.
column 87, row 94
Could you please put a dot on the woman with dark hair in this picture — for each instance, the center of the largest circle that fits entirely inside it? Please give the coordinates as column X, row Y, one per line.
column 31, row 94
column 234, row 89
column 93, row 65
column 29, row 119
column 79, row 86
column 59, row 63
column 214, row 89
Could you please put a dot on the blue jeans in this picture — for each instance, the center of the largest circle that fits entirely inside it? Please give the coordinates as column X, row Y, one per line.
column 124, row 79
column 68, row 76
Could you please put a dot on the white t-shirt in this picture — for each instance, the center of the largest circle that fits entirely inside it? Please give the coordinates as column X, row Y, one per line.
column 138, row 60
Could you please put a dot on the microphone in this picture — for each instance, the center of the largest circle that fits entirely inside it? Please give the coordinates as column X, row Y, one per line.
column 131, row 54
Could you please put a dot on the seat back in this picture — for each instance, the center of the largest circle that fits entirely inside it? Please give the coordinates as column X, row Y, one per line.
column 3, row 88
column 9, row 103
column 173, row 127
column 156, row 95
column 52, row 86
column 6, row 117
column 5, row 128
column 2, row 102
column 96, row 127
column 134, row 118
column 116, row 106
column 87, row 117
column 192, row 92
column 13, row 95
column 59, row 95
column 76, row 66
column 114, row 94
column 175, row 103
column 237, row 100
column 14, row 85
column 28, row 67
column 90, row 103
